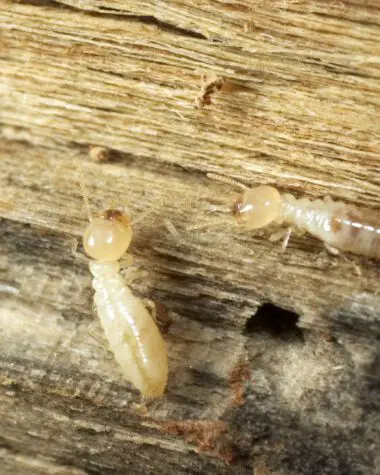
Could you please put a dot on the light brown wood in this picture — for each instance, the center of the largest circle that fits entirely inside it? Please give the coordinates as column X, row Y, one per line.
column 297, row 106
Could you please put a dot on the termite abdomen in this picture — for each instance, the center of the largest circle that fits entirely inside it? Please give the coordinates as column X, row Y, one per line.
column 355, row 231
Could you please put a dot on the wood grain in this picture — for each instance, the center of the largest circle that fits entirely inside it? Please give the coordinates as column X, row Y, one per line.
column 299, row 108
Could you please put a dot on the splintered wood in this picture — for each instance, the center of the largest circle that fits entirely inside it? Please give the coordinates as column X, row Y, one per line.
column 150, row 101
column 209, row 86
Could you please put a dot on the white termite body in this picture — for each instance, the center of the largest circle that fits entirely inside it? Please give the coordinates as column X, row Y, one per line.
column 132, row 333
column 337, row 224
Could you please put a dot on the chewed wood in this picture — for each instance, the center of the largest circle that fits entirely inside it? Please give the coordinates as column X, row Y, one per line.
column 291, row 100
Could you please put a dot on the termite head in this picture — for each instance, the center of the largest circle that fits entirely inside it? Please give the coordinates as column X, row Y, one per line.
column 108, row 236
column 258, row 207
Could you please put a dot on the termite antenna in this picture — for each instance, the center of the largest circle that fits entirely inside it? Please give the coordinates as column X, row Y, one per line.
column 151, row 210
column 143, row 215
column 205, row 224
column 82, row 186
column 224, row 179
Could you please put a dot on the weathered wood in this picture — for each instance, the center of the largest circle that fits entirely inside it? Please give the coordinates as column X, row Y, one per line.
column 299, row 107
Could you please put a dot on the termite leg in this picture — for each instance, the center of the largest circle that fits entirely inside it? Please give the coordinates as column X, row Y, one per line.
column 151, row 306
column 285, row 242
column 283, row 233
column 278, row 235
column 159, row 314
column 335, row 252
column 332, row 250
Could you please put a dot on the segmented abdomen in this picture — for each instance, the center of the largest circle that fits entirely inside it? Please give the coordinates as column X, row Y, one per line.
column 131, row 332
column 355, row 231
column 342, row 226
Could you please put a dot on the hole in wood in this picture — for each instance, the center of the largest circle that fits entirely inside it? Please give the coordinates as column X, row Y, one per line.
column 275, row 321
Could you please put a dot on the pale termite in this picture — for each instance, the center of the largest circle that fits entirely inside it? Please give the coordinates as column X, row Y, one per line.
column 340, row 226
column 132, row 333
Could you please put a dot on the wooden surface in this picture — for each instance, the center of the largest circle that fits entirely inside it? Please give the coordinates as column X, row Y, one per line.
column 274, row 359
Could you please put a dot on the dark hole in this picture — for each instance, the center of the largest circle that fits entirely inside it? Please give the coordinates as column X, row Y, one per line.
column 275, row 321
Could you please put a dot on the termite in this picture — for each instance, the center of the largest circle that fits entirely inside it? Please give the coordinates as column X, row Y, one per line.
column 340, row 226
column 131, row 331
